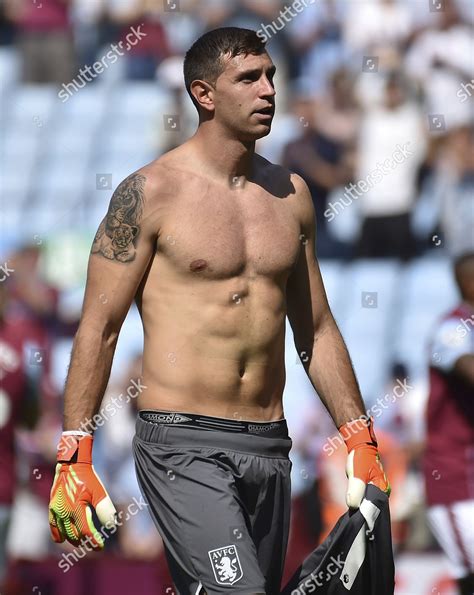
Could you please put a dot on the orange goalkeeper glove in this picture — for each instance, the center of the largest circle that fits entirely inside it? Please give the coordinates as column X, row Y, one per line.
column 363, row 461
column 76, row 488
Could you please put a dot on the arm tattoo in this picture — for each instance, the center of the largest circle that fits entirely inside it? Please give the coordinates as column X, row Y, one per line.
column 117, row 235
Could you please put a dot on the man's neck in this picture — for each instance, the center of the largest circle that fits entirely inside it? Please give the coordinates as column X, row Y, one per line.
column 222, row 156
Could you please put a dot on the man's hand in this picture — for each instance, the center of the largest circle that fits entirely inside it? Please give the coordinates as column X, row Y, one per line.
column 363, row 461
column 76, row 488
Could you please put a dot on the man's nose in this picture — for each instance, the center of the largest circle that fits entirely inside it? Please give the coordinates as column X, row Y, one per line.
column 267, row 88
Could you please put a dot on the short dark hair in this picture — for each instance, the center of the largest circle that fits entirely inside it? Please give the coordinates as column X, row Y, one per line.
column 204, row 61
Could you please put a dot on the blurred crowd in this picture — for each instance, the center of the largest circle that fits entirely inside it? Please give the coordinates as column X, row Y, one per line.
column 374, row 110
column 347, row 71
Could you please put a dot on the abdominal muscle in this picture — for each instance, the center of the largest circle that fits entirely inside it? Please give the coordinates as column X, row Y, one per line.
column 213, row 353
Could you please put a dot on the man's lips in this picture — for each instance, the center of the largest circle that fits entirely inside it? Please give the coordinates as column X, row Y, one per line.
column 265, row 113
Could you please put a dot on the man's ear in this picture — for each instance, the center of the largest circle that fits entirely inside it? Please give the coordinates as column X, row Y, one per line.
column 203, row 93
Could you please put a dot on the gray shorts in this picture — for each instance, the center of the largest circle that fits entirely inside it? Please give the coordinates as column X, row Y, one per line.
column 218, row 491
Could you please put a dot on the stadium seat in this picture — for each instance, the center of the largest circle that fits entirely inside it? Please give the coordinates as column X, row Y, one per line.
column 87, row 107
column 9, row 68
column 67, row 172
column 140, row 101
column 370, row 290
column 372, row 367
column 429, row 281
column 15, row 188
column 24, row 145
column 71, row 139
column 33, row 105
column 429, row 292
column 141, row 139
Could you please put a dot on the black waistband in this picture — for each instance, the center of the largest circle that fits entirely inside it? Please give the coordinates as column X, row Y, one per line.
column 270, row 429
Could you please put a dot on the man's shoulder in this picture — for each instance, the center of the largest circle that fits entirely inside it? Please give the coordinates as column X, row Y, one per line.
column 162, row 175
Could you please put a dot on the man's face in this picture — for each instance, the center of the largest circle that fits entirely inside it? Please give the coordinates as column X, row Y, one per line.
column 242, row 91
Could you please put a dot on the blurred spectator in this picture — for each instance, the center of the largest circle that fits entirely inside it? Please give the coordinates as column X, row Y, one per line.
column 194, row 18
column 319, row 153
column 214, row 12
column 449, row 455
column 450, row 187
column 309, row 427
column 30, row 295
column 316, row 40
column 146, row 54
column 170, row 76
column 441, row 61
column 370, row 26
column 18, row 405
column 28, row 307
column 392, row 420
column 87, row 18
column 101, row 24
column 391, row 149
column 137, row 536
column 337, row 113
column 44, row 37
column 32, row 304
column 265, row 17
column 457, row 216
column 399, row 417
column 7, row 28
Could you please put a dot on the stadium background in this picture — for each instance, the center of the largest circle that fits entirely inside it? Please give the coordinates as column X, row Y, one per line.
column 356, row 80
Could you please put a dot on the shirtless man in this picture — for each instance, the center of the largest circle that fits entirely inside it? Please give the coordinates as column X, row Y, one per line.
column 216, row 246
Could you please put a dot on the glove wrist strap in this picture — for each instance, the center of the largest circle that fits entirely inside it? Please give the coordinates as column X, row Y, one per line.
column 358, row 432
column 74, row 448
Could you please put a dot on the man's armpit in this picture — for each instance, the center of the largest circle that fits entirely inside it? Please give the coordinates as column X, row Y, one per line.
column 117, row 236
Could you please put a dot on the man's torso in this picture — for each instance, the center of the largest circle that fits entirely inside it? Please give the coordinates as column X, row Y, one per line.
column 213, row 297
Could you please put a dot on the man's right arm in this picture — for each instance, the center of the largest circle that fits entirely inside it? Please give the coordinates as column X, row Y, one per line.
column 121, row 251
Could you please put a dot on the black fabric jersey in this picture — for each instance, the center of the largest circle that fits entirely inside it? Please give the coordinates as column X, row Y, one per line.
column 356, row 558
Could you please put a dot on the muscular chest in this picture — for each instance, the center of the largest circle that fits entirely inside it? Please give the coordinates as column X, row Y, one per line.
column 222, row 235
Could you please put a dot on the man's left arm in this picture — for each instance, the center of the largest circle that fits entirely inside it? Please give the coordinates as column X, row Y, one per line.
column 326, row 359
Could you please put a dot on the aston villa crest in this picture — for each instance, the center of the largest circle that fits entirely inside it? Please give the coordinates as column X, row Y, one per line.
column 226, row 565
